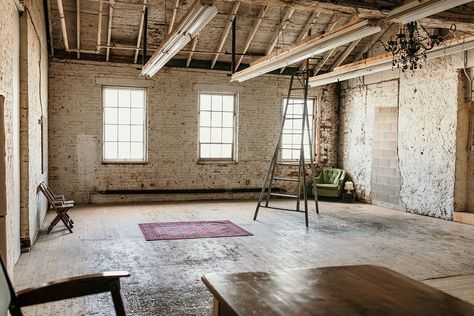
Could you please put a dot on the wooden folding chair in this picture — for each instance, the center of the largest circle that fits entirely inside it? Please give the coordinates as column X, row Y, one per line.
column 60, row 206
column 60, row 290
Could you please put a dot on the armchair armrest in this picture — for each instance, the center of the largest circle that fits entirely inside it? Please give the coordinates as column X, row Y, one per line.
column 72, row 287
column 340, row 183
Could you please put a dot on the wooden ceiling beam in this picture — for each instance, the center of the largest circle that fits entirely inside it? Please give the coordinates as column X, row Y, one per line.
column 252, row 34
column 140, row 31
column 371, row 43
column 335, row 20
column 283, row 24
column 345, row 54
column 173, row 16
column 225, row 33
column 306, row 29
column 193, row 48
column 109, row 31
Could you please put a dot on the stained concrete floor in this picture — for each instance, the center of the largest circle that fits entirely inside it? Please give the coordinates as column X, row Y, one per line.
column 166, row 274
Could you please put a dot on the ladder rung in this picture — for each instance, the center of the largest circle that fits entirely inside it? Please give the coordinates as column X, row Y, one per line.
column 284, row 195
column 290, row 148
column 286, row 179
column 287, row 164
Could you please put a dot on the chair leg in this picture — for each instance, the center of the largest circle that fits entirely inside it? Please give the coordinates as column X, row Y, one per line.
column 53, row 223
column 117, row 299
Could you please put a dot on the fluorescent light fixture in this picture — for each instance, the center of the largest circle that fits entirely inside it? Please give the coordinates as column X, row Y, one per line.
column 311, row 46
column 371, row 66
column 418, row 9
column 200, row 13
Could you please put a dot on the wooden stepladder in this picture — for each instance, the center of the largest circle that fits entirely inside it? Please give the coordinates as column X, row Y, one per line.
column 297, row 97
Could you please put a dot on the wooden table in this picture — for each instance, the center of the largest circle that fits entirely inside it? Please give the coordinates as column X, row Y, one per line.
column 346, row 290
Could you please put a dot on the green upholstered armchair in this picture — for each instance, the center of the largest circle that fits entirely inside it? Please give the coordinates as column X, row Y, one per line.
column 330, row 182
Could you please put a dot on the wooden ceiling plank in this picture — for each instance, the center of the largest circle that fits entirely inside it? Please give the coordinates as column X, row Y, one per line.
column 173, row 16
column 225, row 33
column 140, row 30
column 109, row 32
column 283, row 24
column 99, row 27
column 193, row 48
column 252, row 34
column 345, row 54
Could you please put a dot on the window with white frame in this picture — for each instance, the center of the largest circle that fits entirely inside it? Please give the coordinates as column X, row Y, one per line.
column 217, row 126
column 124, row 120
column 291, row 137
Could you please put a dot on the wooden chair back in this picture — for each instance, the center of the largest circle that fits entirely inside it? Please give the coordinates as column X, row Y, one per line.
column 47, row 193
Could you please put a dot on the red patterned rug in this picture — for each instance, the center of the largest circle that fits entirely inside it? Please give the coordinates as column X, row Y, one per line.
column 191, row 230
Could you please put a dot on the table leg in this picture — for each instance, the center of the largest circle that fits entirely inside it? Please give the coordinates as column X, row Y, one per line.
column 215, row 307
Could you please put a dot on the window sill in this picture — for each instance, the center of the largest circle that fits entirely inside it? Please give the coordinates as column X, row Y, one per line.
column 124, row 162
column 216, row 162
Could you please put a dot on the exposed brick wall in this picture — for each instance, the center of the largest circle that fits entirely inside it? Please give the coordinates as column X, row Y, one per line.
column 34, row 107
column 9, row 88
column 75, row 130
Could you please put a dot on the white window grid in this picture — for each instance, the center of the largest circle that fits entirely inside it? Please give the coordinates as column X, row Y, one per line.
column 217, row 117
column 291, row 136
column 124, row 124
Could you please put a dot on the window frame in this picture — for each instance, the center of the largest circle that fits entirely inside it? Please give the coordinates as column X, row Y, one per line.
column 312, row 121
column 145, row 127
column 219, row 160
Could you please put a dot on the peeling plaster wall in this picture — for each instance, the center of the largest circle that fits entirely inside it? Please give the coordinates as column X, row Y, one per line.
column 428, row 102
column 34, row 108
column 75, row 130
column 10, row 162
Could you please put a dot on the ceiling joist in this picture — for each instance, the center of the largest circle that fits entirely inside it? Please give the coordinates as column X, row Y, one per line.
column 252, row 34
column 225, row 33
column 140, row 31
column 281, row 27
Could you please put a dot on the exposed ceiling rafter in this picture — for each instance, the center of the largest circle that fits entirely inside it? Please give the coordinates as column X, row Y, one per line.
column 226, row 31
column 252, row 34
column 193, row 48
column 140, row 31
column 109, row 30
column 281, row 27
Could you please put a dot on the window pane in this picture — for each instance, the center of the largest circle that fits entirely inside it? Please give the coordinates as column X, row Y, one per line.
column 205, row 151
column 136, row 151
column 124, row 151
column 216, row 119
column 124, row 116
column 110, row 116
column 124, row 133
column 136, row 116
column 123, row 98
column 138, row 99
column 110, row 98
column 205, row 135
column 205, row 102
column 124, row 124
column 205, row 119
column 216, row 135
column 226, row 151
column 110, row 134
column 110, row 150
column 228, row 119
column 227, row 134
column 216, row 151
column 228, row 103
column 136, row 133
column 217, row 103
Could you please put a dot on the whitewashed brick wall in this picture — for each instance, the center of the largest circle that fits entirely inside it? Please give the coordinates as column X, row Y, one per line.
column 75, row 130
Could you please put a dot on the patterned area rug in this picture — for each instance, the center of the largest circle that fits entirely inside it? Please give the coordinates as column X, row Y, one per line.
column 191, row 230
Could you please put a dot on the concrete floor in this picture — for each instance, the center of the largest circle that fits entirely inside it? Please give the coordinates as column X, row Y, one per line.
column 166, row 274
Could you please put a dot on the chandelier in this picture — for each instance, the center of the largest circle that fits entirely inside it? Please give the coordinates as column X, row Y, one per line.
column 410, row 46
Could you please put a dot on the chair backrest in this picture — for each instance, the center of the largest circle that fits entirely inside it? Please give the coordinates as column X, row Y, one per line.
column 6, row 290
column 46, row 192
column 331, row 175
